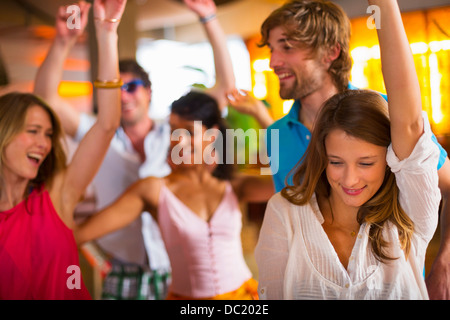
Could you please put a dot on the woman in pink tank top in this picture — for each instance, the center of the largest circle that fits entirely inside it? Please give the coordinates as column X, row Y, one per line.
column 38, row 191
column 196, row 206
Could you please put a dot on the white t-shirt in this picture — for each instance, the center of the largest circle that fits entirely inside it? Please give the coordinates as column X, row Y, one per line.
column 122, row 167
column 296, row 260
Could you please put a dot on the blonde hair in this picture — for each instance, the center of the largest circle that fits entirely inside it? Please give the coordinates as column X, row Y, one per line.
column 13, row 110
column 362, row 114
column 317, row 25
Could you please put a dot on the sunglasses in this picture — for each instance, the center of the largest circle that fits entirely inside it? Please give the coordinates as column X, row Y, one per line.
column 131, row 86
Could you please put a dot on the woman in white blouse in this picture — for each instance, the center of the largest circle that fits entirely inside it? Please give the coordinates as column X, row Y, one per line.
column 364, row 204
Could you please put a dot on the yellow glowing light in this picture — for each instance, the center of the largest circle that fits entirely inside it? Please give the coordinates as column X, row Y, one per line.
column 435, row 86
column 260, row 91
column 74, row 88
column 261, row 65
column 419, row 48
column 358, row 77
column 361, row 56
column 436, row 46
column 375, row 52
column 365, row 53
column 287, row 104
column 260, row 87
column 445, row 44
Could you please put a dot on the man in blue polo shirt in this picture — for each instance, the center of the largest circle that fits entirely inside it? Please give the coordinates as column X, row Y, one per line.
column 309, row 43
column 293, row 133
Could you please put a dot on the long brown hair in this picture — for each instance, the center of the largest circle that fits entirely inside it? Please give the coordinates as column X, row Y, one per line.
column 318, row 25
column 13, row 110
column 362, row 114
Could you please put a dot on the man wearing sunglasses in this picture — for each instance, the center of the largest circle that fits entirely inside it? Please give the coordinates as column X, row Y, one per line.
column 138, row 150
column 132, row 86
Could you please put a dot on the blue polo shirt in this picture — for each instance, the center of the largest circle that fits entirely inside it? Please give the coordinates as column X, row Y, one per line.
column 294, row 138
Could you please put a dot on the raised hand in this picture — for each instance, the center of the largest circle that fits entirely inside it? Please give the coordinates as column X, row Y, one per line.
column 66, row 29
column 109, row 12
column 245, row 103
column 202, row 8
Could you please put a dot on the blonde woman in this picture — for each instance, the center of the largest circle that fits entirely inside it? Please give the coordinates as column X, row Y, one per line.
column 38, row 191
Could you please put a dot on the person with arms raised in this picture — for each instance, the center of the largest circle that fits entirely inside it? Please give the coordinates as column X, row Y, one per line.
column 138, row 149
column 38, row 190
column 363, row 206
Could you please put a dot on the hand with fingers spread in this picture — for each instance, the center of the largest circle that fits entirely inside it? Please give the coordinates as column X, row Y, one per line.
column 245, row 103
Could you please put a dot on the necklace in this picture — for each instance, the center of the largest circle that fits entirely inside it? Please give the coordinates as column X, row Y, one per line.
column 352, row 233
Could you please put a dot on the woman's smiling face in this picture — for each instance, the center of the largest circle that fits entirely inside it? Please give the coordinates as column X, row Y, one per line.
column 28, row 149
column 356, row 168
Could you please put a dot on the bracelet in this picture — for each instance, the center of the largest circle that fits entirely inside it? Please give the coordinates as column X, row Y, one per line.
column 113, row 20
column 207, row 18
column 105, row 84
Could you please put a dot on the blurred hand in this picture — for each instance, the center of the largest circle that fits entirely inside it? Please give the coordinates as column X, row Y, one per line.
column 244, row 102
column 202, row 8
column 64, row 25
column 105, row 10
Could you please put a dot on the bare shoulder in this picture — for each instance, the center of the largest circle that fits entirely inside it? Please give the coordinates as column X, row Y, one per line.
column 148, row 189
column 149, row 182
column 253, row 187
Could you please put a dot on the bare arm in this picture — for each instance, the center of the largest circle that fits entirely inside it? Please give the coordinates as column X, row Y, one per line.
column 139, row 197
column 253, row 188
column 225, row 79
column 92, row 149
column 438, row 280
column 50, row 73
column 406, row 121
column 402, row 85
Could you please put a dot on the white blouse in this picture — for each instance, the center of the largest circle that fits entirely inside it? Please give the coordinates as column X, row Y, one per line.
column 296, row 260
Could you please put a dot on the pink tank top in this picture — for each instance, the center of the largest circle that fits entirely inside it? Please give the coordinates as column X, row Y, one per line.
column 38, row 254
column 206, row 257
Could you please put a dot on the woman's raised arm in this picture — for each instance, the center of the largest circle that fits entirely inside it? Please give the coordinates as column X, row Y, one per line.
column 50, row 72
column 225, row 79
column 92, row 149
column 399, row 73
